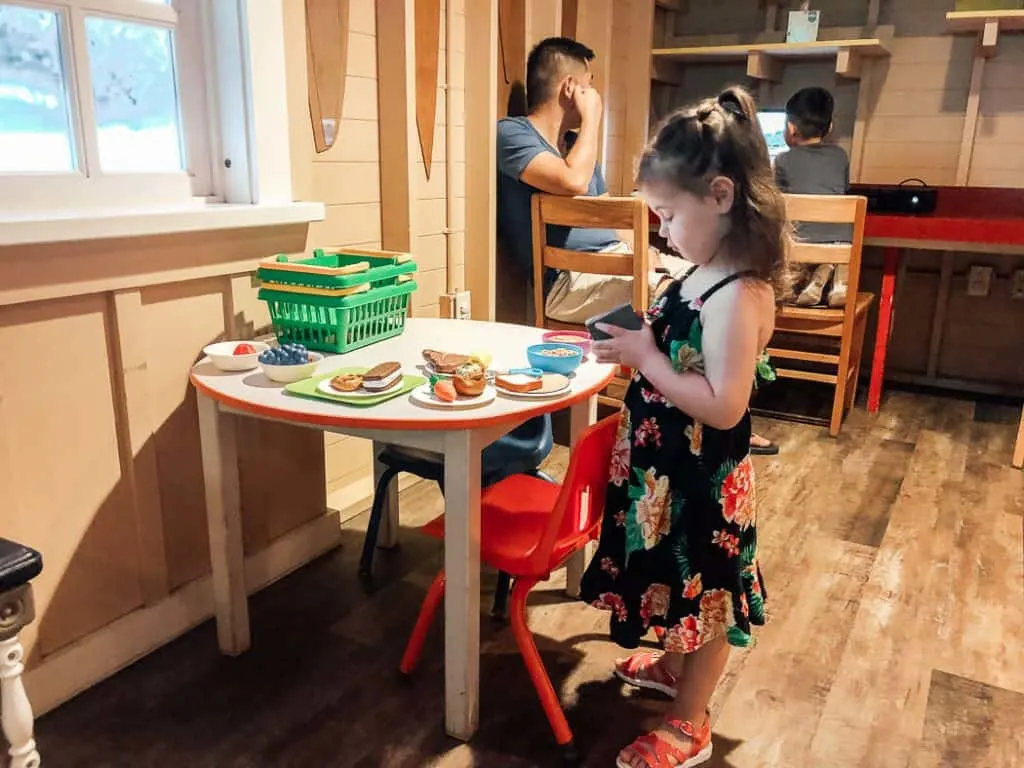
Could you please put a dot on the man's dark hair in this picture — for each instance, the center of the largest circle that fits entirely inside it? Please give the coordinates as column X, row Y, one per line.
column 810, row 111
column 546, row 66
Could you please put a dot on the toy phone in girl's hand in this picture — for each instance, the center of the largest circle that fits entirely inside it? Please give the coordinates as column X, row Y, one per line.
column 622, row 316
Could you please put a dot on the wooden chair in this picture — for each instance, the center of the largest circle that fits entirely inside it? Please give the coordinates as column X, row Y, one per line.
column 625, row 213
column 843, row 329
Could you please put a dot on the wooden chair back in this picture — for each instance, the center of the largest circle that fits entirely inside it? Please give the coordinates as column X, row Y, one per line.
column 845, row 325
column 828, row 209
column 621, row 213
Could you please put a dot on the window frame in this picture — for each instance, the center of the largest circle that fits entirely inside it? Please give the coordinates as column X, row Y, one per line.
column 88, row 186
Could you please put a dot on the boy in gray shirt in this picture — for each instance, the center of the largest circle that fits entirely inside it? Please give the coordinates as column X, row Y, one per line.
column 812, row 167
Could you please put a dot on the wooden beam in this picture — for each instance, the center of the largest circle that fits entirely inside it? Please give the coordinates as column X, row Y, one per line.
column 481, row 158
column 939, row 316
column 396, row 126
column 594, row 27
column 963, row 169
column 638, row 89
column 860, row 125
column 848, row 64
column 874, row 8
column 668, row 72
column 989, row 39
column 570, row 18
column 761, row 66
column 511, row 49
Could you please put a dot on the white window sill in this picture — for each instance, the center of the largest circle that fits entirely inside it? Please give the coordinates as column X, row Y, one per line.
column 28, row 227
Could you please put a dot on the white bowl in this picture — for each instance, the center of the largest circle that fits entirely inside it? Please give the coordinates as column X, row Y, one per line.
column 221, row 354
column 286, row 374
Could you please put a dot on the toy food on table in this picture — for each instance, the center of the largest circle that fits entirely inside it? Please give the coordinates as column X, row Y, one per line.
column 518, row 382
column 482, row 356
column 245, row 348
column 557, row 352
column 444, row 390
column 287, row 354
column 347, row 382
column 444, row 362
column 470, row 379
column 382, row 376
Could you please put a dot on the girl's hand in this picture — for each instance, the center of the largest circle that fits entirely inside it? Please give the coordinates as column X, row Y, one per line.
column 630, row 348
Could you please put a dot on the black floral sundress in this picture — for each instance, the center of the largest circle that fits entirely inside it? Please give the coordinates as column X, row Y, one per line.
column 678, row 545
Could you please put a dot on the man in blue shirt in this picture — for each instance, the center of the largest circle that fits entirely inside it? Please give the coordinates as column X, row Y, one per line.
column 535, row 156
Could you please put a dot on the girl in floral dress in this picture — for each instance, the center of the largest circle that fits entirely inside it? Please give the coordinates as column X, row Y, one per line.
column 678, row 547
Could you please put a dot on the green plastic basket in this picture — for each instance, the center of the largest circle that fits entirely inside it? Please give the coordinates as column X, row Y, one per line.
column 329, row 270
column 339, row 323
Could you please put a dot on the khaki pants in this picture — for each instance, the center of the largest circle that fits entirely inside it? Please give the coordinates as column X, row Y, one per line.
column 575, row 296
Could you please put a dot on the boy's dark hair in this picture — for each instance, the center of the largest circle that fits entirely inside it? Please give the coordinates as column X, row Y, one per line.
column 546, row 66
column 722, row 137
column 810, row 111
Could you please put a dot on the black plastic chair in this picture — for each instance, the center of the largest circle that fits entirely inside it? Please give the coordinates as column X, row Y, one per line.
column 521, row 451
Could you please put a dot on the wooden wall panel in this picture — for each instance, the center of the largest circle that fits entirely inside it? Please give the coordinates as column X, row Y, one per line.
column 174, row 323
column 60, row 444
column 347, row 178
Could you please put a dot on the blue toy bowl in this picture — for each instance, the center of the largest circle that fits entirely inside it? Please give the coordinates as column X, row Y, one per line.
column 565, row 361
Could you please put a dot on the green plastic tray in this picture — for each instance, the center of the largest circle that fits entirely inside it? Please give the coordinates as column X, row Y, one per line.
column 308, row 388
column 339, row 323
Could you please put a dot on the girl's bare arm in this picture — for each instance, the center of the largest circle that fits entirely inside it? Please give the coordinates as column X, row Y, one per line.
column 732, row 339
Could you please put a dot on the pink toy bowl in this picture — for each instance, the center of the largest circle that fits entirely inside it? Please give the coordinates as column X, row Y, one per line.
column 580, row 338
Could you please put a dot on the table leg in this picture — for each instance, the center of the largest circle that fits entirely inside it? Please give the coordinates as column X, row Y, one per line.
column 224, row 519
column 387, row 537
column 581, row 416
column 462, row 594
column 884, row 329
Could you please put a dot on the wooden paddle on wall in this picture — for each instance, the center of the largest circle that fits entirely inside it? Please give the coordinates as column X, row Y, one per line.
column 428, row 40
column 326, row 62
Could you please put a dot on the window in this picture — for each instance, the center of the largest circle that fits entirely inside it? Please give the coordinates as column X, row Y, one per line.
column 103, row 102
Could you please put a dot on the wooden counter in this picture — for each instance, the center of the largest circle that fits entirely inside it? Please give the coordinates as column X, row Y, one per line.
column 99, row 448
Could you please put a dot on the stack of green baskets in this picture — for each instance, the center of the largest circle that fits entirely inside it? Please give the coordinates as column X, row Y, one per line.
column 337, row 302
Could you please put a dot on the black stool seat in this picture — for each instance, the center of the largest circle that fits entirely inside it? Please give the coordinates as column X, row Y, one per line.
column 18, row 564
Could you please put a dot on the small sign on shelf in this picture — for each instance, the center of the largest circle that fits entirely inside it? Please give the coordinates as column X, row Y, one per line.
column 803, row 25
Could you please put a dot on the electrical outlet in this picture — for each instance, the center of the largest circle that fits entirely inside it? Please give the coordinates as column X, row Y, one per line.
column 463, row 309
column 455, row 305
column 979, row 281
column 1017, row 284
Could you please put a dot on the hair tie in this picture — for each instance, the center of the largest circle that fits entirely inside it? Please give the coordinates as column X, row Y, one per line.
column 728, row 102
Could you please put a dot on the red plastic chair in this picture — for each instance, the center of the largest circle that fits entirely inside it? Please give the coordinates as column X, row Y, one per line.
column 530, row 527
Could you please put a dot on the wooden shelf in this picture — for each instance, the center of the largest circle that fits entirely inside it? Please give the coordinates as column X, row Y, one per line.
column 764, row 60
column 975, row 21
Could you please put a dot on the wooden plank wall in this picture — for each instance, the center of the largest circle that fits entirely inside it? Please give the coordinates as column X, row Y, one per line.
column 346, row 178
column 99, row 443
column 430, row 243
column 349, row 179
column 912, row 118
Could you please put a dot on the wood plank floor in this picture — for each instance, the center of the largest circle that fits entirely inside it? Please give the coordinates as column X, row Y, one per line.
column 893, row 557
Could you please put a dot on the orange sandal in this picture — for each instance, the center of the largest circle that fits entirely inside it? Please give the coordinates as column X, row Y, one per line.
column 656, row 751
column 641, row 670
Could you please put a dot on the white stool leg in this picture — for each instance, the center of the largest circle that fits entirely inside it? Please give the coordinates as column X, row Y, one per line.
column 15, row 709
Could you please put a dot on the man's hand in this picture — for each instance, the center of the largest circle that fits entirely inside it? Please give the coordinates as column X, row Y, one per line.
column 588, row 103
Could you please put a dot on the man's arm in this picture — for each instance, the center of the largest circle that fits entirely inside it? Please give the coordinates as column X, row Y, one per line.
column 570, row 175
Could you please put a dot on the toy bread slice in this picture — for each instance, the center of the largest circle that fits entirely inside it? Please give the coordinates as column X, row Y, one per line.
column 517, row 382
